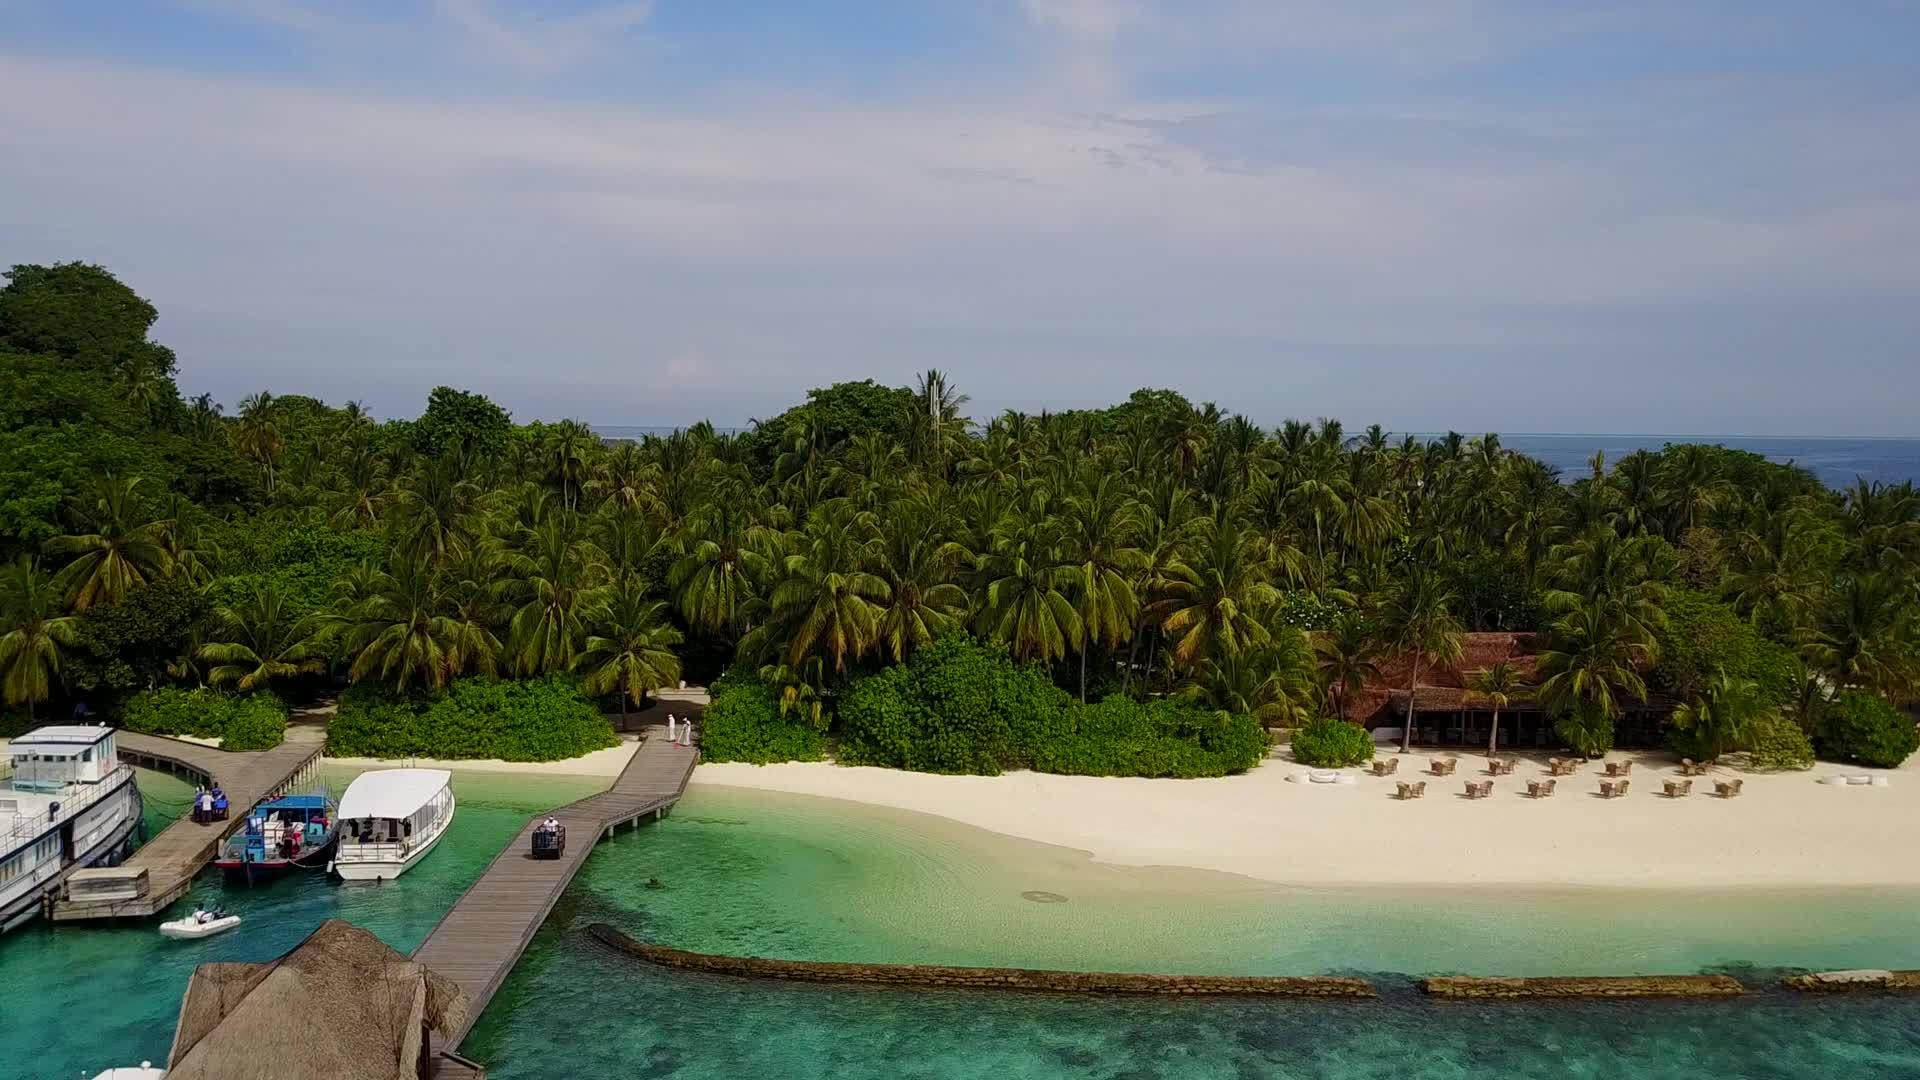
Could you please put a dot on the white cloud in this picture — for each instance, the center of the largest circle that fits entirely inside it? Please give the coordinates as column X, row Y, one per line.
column 541, row 44
column 1285, row 258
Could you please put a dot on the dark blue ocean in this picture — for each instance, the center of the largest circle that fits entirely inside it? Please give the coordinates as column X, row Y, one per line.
column 1836, row 461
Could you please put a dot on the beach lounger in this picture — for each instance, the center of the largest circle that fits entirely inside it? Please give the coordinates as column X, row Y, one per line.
column 1679, row 789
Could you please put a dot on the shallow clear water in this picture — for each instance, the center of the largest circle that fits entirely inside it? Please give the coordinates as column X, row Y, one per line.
column 122, row 984
column 777, row 875
column 748, row 872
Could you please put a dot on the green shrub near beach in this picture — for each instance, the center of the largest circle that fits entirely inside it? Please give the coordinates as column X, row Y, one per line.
column 531, row 720
column 959, row 706
column 1777, row 743
column 1861, row 727
column 742, row 722
column 1332, row 744
column 239, row 721
column 1123, row 737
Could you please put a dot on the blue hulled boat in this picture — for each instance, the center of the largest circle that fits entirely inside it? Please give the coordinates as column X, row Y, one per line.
column 290, row 832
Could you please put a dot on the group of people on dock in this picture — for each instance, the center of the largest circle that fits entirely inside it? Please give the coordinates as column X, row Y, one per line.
column 209, row 804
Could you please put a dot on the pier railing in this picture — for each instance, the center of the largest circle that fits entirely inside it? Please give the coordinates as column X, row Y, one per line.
column 71, row 802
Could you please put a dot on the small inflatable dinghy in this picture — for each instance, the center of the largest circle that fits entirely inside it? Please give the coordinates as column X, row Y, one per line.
column 189, row 928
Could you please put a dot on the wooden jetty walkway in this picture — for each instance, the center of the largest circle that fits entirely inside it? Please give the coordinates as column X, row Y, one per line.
column 171, row 859
column 477, row 943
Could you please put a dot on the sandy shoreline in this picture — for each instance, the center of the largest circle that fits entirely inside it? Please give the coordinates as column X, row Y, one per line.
column 1784, row 830
column 600, row 763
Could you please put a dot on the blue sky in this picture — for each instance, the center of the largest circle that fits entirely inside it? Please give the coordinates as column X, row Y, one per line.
column 1476, row 214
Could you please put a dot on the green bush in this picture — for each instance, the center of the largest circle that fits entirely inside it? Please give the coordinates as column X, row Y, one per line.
column 1331, row 744
column 528, row 720
column 952, row 708
column 963, row 707
column 743, row 723
column 1703, row 637
column 1778, row 743
column 242, row 722
column 1863, row 728
column 1123, row 737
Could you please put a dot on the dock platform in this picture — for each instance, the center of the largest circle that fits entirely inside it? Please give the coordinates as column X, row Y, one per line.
column 170, row 860
column 477, row 943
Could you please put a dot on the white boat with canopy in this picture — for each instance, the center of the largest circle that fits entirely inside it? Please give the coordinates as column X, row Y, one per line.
column 390, row 819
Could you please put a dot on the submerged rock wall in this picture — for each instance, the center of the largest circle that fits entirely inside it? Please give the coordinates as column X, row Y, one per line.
column 935, row 976
column 1855, row 982
column 1618, row 986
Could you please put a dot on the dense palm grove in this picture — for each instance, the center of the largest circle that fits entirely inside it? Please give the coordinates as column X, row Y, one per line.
column 1156, row 550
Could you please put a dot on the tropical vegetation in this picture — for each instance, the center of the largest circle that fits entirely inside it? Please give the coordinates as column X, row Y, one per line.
column 1136, row 588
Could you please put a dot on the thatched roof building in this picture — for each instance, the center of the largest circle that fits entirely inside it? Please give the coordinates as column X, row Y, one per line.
column 340, row 1006
column 1442, row 687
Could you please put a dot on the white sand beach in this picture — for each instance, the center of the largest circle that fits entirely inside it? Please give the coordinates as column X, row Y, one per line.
column 1784, row 829
column 600, row 763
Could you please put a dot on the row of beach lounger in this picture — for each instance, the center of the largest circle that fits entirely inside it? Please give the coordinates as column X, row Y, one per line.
column 1542, row 789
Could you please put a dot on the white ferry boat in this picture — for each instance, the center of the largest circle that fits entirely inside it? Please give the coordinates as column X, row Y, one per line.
column 390, row 819
column 66, row 801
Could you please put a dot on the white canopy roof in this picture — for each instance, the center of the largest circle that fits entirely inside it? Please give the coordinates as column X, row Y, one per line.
column 392, row 793
column 63, row 735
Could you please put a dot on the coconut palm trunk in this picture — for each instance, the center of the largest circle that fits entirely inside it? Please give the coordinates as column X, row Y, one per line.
column 1493, row 736
column 1413, row 683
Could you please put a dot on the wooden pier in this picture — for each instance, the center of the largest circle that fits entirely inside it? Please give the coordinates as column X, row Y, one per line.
column 170, row 860
column 477, row 943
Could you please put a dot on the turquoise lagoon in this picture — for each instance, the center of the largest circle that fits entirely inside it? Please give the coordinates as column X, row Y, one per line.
column 791, row 876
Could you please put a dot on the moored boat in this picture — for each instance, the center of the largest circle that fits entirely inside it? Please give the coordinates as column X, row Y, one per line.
column 66, row 802
column 200, row 924
column 286, row 833
column 390, row 819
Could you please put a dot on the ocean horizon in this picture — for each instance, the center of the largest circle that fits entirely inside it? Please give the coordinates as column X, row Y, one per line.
column 1837, row 460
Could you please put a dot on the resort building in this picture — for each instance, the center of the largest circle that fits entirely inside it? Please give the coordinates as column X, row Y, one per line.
column 1450, row 714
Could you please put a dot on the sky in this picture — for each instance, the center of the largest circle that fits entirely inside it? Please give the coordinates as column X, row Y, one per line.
column 1515, row 215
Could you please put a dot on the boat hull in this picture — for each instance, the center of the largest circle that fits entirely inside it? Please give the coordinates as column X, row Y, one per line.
column 100, row 832
column 188, row 930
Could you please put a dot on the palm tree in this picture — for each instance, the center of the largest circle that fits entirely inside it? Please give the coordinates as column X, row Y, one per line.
column 1595, row 658
column 1273, row 685
column 1027, row 597
column 567, row 459
column 258, row 640
column 715, row 583
column 560, row 584
column 829, row 598
column 1216, row 602
column 922, row 602
column 1865, row 634
column 1723, row 717
column 33, row 634
column 1498, row 684
column 631, row 648
column 126, row 547
column 1101, row 526
column 398, row 631
column 1346, row 657
column 939, row 416
column 1417, row 620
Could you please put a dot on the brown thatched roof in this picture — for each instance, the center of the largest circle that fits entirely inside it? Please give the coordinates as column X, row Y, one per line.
column 340, row 1006
column 1443, row 688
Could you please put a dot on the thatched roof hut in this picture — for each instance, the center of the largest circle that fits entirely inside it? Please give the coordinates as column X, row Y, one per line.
column 340, row 1005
